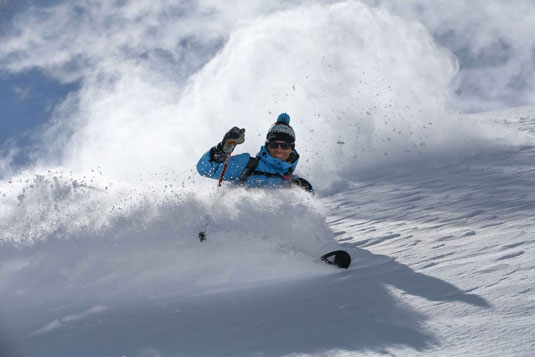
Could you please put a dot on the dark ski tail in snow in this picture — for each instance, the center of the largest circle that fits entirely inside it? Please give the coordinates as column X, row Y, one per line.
column 338, row 258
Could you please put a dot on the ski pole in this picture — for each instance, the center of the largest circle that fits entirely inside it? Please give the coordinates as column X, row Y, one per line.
column 232, row 145
column 202, row 234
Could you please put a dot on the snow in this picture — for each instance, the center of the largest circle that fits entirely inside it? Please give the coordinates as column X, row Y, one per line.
column 99, row 247
column 442, row 262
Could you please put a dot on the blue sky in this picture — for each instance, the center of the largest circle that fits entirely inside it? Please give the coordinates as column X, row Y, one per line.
column 27, row 100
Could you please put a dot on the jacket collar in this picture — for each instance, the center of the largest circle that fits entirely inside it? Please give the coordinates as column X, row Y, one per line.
column 273, row 165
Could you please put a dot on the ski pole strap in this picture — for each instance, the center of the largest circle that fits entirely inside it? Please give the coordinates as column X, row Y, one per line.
column 249, row 169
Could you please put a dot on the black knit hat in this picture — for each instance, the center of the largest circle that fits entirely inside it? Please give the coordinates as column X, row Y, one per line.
column 281, row 130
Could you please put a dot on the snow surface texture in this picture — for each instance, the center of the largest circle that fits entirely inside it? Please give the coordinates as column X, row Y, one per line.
column 442, row 263
column 99, row 249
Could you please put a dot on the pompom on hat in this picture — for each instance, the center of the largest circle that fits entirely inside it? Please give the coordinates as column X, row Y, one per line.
column 281, row 130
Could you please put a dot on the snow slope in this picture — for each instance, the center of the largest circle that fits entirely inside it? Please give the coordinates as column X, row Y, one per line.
column 442, row 261
column 99, row 254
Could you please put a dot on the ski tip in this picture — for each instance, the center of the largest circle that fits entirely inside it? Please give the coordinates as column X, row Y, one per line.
column 339, row 258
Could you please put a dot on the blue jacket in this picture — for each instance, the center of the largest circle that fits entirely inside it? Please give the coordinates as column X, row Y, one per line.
column 270, row 172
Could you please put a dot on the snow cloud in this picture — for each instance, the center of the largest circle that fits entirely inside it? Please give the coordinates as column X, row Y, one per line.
column 365, row 82
column 494, row 42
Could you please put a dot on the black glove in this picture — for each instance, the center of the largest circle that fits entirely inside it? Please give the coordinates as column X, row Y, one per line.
column 219, row 152
column 301, row 182
column 235, row 135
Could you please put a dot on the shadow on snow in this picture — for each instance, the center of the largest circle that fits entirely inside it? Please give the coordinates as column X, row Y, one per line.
column 348, row 311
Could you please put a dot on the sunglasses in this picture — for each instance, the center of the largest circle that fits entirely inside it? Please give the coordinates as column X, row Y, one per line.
column 283, row 146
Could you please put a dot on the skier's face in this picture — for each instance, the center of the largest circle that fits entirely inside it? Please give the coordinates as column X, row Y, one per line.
column 275, row 149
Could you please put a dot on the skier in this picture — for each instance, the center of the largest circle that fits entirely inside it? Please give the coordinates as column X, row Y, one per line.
column 273, row 166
